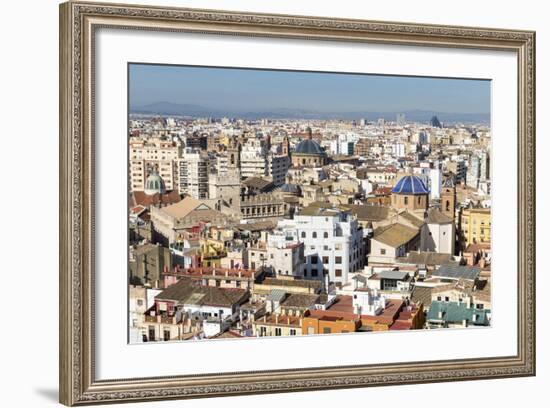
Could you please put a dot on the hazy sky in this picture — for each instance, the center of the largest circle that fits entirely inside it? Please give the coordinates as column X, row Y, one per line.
column 254, row 90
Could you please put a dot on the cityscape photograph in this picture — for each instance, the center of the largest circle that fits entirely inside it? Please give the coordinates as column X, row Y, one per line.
column 267, row 203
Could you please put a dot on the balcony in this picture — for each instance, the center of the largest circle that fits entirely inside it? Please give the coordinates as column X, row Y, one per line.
column 165, row 319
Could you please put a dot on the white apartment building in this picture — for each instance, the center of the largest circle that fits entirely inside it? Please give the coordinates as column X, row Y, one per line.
column 432, row 176
column 253, row 159
column 333, row 242
column 285, row 254
column 277, row 168
column 399, row 149
column 193, row 174
column 478, row 169
column 153, row 155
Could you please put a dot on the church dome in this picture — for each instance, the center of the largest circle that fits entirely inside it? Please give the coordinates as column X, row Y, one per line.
column 310, row 147
column 154, row 184
column 410, row 185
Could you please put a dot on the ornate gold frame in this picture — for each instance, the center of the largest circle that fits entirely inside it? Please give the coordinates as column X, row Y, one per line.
column 77, row 24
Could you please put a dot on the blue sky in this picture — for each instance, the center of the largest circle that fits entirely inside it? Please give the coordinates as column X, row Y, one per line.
column 255, row 90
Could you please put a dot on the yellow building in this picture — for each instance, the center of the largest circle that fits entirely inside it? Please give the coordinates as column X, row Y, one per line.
column 212, row 252
column 475, row 226
column 277, row 325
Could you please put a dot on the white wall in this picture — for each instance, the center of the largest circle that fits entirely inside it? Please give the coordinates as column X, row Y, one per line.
column 28, row 95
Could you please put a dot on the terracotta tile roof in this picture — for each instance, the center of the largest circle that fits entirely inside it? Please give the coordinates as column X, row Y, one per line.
column 395, row 235
column 185, row 207
column 227, row 335
column 412, row 219
column 299, row 300
column 437, row 217
column 369, row 212
column 257, row 182
column 293, row 282
column 422, row 294
column 212, row 272
column 140, row 198
column 187, row 292
column 343, row 308
column 427, row 258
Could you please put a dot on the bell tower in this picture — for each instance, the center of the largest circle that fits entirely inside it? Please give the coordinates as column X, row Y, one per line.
column 448, row 199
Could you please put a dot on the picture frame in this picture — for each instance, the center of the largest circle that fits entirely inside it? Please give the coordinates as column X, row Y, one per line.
column 79, row 22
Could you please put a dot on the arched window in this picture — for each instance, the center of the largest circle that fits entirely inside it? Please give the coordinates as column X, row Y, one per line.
column 419, row 199
column 325, row 234
column 303, row 234
column 447, row 205
column 406, row 200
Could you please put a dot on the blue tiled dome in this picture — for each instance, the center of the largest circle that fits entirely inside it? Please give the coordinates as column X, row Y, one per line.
column 309, row 147
column 410, row 185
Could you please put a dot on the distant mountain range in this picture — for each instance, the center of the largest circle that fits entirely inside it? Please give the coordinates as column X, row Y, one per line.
column 195, row 111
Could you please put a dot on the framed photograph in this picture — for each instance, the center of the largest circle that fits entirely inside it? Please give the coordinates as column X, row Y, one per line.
column 255, row 203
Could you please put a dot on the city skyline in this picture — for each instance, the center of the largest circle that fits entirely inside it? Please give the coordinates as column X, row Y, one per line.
column 235, row 91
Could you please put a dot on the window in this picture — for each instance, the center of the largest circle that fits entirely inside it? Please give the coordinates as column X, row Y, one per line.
column 345, row 331
column 418, row 199
column 338, row 273
column 479, row 306
column 277, row 331
column 325, row 260
column 293, row 332
column 140, row 302
column 326, row 330
column 406, row 200
column 166, row 335
column 303, row 234
column 325, row 234
column 439, row 298
column 446, row 298
column 382, row 251
column 338, row 259
column 314, row 235
column 314, row 272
